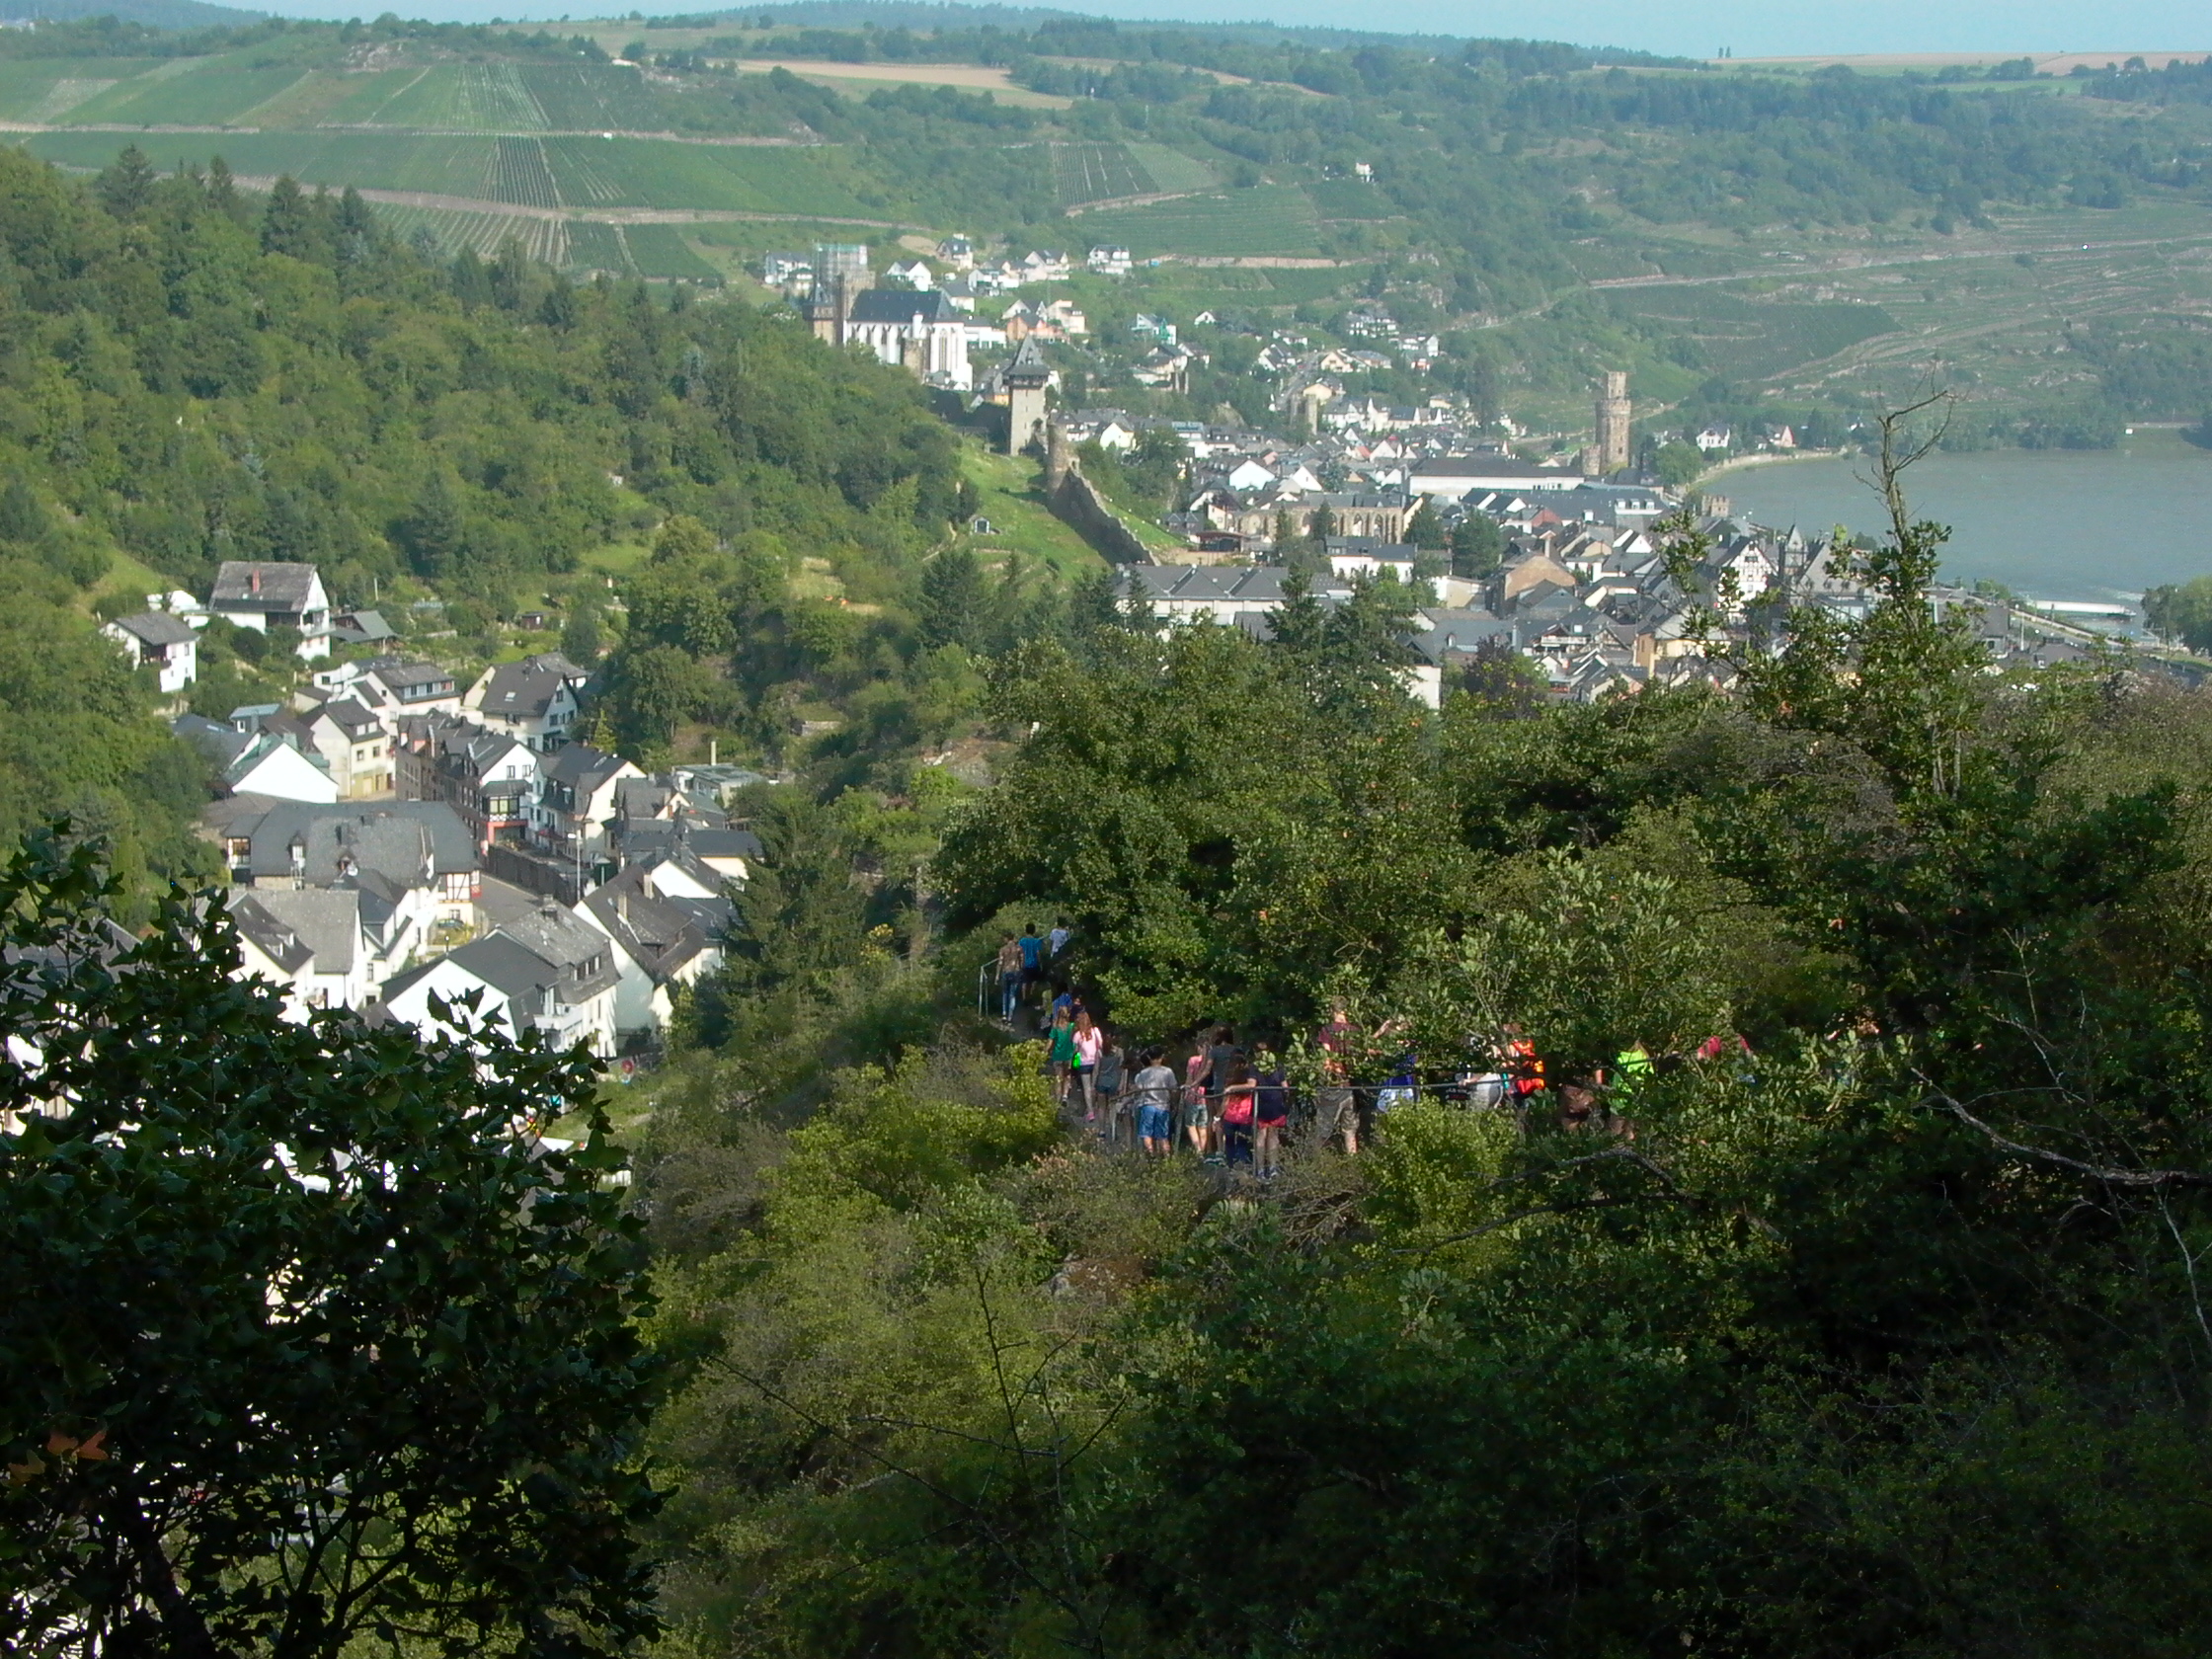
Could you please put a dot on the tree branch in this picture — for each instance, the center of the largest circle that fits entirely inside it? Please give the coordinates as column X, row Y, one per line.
column 2146, row 1180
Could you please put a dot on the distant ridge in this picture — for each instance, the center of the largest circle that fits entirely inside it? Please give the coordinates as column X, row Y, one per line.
column 153, row 14
column 924, row 14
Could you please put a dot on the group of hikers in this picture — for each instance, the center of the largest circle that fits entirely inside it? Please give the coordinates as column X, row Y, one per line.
column 1228, row 1106
column 1231, row 1104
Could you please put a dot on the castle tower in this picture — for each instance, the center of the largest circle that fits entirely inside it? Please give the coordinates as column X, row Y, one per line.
column 1612, row 425
column 1026, row 378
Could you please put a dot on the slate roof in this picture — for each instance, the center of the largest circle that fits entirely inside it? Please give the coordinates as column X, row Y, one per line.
column 220, row 741
column 156, row 629
column 662, row 935
column 283, row 589
column 1027, row 367
column 583, row 768
column 562, row 944
column 348, row 713
column 393, row 838
column 524, row 690
column 506, row 964
column 326, row 923
column 360, row 627
column 902, row 306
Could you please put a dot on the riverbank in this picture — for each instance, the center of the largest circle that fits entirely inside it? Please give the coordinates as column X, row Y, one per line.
column 2085, row 525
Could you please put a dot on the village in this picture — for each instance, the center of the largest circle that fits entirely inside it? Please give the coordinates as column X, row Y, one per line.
column 398, row 842
column 405, row 843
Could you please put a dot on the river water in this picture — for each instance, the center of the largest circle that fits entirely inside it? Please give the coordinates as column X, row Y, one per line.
column 2054, row 525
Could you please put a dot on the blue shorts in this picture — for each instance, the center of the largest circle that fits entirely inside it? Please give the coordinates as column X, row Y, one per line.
column 1151, row 1123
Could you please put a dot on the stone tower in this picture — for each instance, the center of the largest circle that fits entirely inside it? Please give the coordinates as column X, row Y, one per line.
column 828, row 309
column 1612, row 425
column 1025, row 378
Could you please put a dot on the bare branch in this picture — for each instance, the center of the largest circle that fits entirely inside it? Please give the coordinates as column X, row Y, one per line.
column 2147, row 1180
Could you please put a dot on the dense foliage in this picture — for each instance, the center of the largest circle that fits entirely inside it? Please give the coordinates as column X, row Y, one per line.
column 315, row 1344
column 1881, row 1337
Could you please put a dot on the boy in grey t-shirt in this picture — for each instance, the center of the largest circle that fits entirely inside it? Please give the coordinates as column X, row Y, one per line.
column 1152, row 1097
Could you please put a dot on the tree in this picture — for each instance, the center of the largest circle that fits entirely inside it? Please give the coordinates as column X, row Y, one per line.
column 1678, row 465
column 1477, row 547
column 1426, row 527
column 287, row 224
column 436, row 529
column 579, row 632
column 2181, row 612
column 127, row 184
column 23, row 518
column 332, row 1349
column 954, row 601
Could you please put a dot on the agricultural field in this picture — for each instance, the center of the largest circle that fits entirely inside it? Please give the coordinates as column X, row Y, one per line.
column 594, row 246
column 1171, row 170
column 663, row 250
column 1276, row 220
column 1097, row 173
column 466, row 98
column 550, row 240
column 206, row 92
column 35, row 90
column 542, row 172
column 1750, row 340
column 583, row 97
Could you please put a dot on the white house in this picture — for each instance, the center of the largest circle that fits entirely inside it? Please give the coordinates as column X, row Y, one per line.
column 544, row 972
column 665, row 935
column 258, row 594
column 1713, row 437
column 167, row 642
column 308, row 941
column 1455, row 477
column 268, row 766
column 1109, row 262
column 534, row 700
column 911, row 274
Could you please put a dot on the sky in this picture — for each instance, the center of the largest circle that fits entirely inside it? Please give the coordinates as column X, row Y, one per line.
column 1683, row 28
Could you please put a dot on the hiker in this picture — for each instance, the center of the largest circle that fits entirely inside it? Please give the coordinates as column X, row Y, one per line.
column 1271, row 1111
column 1154, row 1090
column 1010, row 979
column 1239, row 1097
column 1113, row 1101
column 1057, row 940
column 1090, row 1042
column 1032, row 956
column 1196, row 1123
column 1336, row 1104
column 1059, row 1054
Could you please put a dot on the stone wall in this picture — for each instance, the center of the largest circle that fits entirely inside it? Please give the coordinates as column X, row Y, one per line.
column 1077, row 502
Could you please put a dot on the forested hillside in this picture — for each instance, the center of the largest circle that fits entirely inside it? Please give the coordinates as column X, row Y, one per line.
column 1834, row 1291
column 1510, row 186
column 191, row 375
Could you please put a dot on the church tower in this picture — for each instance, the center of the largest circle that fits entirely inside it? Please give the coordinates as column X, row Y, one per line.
column 1612, row 425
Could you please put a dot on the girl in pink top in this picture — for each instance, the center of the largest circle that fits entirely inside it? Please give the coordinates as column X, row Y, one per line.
column 1090, row 1042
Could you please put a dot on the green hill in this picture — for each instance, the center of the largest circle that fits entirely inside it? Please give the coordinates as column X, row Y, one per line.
column 1480, row 186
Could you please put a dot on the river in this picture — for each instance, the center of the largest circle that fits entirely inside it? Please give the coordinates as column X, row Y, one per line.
column 2054, row 525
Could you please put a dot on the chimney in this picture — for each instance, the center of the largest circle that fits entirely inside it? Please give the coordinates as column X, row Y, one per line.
column 252, row 582
column 622, row 908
